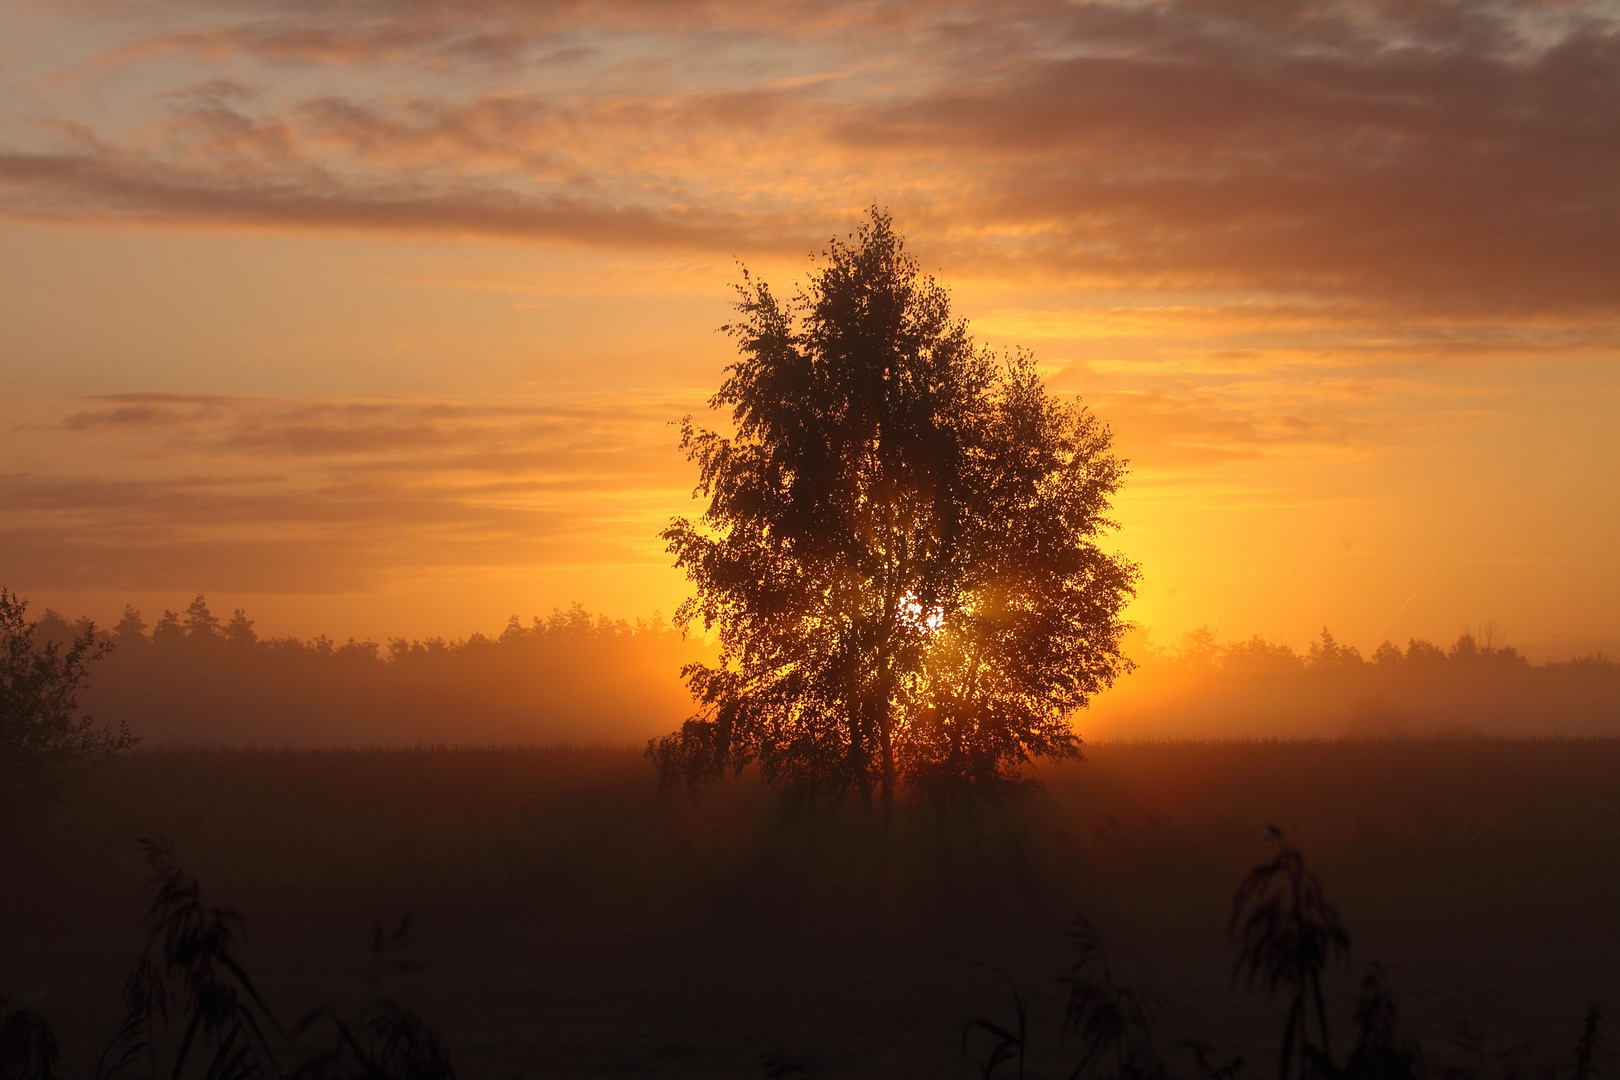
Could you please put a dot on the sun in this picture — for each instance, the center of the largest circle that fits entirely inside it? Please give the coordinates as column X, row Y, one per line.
column 927, row 618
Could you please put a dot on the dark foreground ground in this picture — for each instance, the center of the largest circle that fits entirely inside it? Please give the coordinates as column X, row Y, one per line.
column 568, row 922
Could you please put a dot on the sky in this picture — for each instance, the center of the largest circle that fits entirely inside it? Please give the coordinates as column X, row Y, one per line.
column 373, row 316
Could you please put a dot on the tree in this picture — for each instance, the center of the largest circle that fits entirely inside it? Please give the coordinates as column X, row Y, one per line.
column 899, row 549
column 40, row 729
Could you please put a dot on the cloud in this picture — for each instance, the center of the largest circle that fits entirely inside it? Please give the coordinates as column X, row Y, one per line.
column 245, row 493
column 1462, row 171
column 113, row 185
column 280, row 494
column 1181, row 428
column 621, row 443
column 1431, row 156
column 432, row 35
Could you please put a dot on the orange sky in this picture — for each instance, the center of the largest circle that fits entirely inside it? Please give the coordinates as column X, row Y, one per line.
column 371, row 316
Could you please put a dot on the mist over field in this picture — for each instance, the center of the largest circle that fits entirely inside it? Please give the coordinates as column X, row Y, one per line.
column 1475, row 685
column 196, row 679
column 569, row 921
column 570, row 678
column 556, row 911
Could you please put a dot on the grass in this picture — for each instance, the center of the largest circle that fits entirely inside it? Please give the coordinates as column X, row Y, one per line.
column 568, row 921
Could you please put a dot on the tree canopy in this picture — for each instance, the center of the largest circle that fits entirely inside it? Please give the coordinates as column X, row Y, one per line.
column 900, row 546
column 40, row 726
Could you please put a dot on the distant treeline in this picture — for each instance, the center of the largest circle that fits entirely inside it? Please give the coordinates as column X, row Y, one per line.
column 194, row 679
column 1477, row 686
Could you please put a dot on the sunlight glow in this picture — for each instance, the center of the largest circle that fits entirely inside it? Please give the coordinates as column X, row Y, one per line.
column 279, row 331
column 926, row 619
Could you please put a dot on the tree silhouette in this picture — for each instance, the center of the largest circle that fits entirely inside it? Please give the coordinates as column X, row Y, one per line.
column 40, row 728
column 899, row 548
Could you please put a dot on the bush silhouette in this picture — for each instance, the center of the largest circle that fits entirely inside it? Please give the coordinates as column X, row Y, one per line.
column 41, row 730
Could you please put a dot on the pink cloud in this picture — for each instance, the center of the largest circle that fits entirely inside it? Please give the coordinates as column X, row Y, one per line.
column 1430, row 156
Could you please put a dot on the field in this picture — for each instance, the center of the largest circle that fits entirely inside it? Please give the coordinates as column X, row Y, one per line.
column 570, row 922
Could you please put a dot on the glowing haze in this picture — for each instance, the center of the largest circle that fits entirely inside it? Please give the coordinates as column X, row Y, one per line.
column 371, row 316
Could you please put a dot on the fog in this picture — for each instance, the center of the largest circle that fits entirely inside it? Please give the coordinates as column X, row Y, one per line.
column 1477, row 685
column 195, row 679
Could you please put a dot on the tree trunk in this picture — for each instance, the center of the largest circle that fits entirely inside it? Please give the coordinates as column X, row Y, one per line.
column 885, row 733
column 858, row 757
column 887, row 737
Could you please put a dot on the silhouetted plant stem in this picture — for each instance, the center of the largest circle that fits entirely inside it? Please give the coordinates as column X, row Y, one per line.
column 1008, row 1045
column 28, row 1048
column 1287, row 932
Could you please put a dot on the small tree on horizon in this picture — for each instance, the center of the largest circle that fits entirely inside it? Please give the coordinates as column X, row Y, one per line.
column 41, row 730
column 899, row 548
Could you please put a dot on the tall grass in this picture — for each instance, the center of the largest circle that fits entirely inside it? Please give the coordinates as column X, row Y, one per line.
column 1286, row 932
column 188, row 973
column 28, row 1048
column 566, row 862
column 192, row 1010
